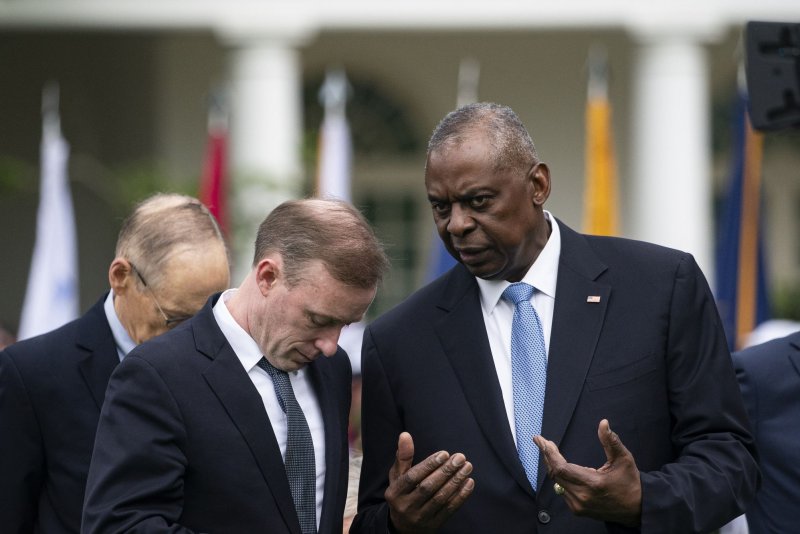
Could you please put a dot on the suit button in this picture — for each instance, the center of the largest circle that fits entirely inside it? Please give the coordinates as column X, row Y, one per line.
column 544, row 517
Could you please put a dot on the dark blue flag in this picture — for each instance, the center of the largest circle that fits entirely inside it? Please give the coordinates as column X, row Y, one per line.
column 741, row 294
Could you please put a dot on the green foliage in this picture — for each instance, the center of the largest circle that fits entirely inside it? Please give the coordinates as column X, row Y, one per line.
column 786, row 302
column 122, row 187
column 16, row 176
column 134, row 182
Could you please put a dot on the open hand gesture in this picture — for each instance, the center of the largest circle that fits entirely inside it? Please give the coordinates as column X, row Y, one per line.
column 612, row 492
column 423, row 496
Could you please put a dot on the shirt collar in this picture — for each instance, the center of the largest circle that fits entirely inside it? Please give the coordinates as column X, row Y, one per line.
column 242, row 344
column 542, row 275
column 122, row 339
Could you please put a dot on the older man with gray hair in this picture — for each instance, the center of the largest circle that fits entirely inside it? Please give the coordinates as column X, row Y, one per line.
column 170, row 257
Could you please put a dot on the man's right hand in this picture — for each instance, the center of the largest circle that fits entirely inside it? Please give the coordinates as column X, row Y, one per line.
column 423, row 496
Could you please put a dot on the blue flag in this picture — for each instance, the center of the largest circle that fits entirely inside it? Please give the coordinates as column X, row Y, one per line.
column 439, row 260
column 742, row 296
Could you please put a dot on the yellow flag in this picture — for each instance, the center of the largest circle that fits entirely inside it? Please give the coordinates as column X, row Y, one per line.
column 600, row 212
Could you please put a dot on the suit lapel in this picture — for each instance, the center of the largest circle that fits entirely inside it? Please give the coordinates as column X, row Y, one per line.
column 794, row 354
column 94, row 337
column 319, row 375
column 577, row 321
column 463, row 337
column 236, row 392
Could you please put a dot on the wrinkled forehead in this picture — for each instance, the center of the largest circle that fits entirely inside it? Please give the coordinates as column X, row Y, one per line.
column 472, row 149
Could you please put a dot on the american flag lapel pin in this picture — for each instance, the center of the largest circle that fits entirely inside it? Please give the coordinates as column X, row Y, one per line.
column 593, row 298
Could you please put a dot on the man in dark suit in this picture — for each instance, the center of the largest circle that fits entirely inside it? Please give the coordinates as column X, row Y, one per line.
column 628, row 332
column 203, row 427
column 52, row 386
column 769, row 377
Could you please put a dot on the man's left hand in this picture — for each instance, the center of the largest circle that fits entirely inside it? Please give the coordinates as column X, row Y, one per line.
column 611, row 493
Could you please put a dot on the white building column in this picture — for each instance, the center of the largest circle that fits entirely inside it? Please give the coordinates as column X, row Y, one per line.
column 672, row 182
column 265, row 89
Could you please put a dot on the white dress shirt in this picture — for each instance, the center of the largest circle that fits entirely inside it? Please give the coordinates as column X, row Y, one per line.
column 498, row 314
column 122, row 339
column 249, row 355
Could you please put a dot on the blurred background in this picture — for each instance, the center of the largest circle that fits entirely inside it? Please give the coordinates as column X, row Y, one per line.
column 152, row 96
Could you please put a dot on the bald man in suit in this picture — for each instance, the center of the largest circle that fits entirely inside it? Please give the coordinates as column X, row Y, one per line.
column 170, row 257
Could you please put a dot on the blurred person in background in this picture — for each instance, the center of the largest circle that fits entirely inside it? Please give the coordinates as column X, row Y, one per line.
column 769, row 377
column 170, row 257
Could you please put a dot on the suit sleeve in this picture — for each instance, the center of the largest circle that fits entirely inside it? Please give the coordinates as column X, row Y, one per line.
column 381, row 427
column 748, row 386
column 715, row 453
column 135, row 479
column 21, row 454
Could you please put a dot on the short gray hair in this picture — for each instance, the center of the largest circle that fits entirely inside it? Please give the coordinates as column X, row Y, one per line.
column 511, row 143
column 161, row 226
column 331, row 231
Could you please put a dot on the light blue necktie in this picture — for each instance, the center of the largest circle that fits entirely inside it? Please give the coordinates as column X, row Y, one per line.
column 528, row 375
column 300, row 468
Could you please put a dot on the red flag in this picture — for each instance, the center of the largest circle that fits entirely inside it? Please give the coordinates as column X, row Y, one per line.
column 213, row 185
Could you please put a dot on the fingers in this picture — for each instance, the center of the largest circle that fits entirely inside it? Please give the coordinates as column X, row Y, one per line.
column 452, row 494
column 612, row 445
column 422, row 496
column 444, row 490
column 611, row 492
column 550, row 454
column 405, row 477
column 403, row 458
column 405, row 451
column 558, row 468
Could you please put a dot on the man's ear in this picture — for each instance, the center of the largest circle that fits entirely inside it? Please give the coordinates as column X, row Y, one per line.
column 268, row 271
column 120, row 276
column 539, row 176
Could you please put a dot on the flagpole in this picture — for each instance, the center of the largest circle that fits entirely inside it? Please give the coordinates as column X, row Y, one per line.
column 600, row 192
column 747, row 286
column 334, row 163
column 469, row 70
column 213, row 183
column 741, row 285
column 748, row 275
column 469, row 73
column 51, row 296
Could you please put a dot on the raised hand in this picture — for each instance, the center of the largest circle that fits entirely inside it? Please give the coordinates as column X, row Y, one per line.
column 423, row 496
column 612, row 492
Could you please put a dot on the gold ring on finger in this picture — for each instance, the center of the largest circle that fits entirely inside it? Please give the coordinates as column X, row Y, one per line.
column 559, row 489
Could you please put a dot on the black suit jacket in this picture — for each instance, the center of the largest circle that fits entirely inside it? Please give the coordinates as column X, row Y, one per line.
column 650, row 356
column 51, row 390
column 184, row 442
column 769, row 375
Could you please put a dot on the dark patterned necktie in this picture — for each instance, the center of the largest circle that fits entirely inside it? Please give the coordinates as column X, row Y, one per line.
column 299, row 461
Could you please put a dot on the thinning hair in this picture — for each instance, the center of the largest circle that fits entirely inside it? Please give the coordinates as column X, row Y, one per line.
column 331, row 231
column 512, row 146
column 161, row 226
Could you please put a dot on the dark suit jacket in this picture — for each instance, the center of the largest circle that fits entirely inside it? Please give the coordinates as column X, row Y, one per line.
column 769, row 375
column 650, row 356
column 51, row 390
column 184, row 442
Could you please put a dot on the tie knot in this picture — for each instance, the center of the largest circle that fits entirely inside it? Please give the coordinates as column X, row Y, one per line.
column 271, row 370
column 518, row 292
column 280, row 381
